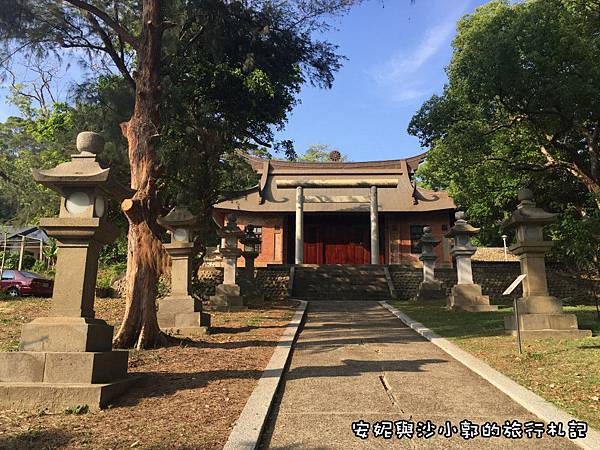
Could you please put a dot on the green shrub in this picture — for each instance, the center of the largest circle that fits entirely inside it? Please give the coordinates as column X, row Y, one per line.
column 163, row 286
column 114, row 254
column 107, row 274
column 39, row 267
column 11, row 260
column 79, row 409
column 28, row 262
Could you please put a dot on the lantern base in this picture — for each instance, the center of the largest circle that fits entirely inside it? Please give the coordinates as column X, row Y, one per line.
column 431, row 290
column 189, row 332
column 254, row 299
column 58, row 380
column 251, row 295
column 182, row 316
column 468, row 297
column 66, row 334
column 56, row 397
column 542, row 326
column 227, row 298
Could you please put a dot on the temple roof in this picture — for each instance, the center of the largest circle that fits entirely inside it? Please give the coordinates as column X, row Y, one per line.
column 336, row 187
column 258, row 164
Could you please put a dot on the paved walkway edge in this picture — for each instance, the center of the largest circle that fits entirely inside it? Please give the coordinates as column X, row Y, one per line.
column 248, row 429
column 526, row 398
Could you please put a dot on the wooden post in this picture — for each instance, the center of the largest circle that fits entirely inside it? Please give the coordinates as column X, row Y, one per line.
column 3, row 254
column 21, row 252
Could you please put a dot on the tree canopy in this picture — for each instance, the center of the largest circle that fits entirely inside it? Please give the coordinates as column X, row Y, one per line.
column 520, row 109
column 204, row 76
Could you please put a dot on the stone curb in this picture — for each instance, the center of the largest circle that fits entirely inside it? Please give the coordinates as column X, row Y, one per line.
column 248, row 429
column 523, row 396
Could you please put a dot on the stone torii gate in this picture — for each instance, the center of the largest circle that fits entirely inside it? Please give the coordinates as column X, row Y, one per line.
column 371, row 199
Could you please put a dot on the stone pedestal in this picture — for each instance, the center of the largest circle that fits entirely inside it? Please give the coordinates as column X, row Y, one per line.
column 183, row 317
column 469, row 297
column 541, row 326
column 227, row 295
column 66, row 359
column 465, row 295
column 247, row 280
column 181, row 313
column 540, row 314
column 430, row 288
column 227, row 298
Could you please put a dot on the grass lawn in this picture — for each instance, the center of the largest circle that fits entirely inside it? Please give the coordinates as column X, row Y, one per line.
column 564, row 372
column 192, row 393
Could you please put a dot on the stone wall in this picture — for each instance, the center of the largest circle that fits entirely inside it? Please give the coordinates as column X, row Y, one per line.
column 494, row 278
column 271, row 281
column 208, row 279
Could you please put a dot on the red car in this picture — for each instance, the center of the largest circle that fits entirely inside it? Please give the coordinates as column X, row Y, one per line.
column 20, row 282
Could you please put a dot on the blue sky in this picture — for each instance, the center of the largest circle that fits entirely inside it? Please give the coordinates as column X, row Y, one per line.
column 396, row 57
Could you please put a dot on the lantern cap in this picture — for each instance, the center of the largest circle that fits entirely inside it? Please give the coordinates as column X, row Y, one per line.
column 527, row 212
column 231, row 228
column 461, row 226
column 250, row 237
column 83, row 170
column 179, row 217
column 427, row 237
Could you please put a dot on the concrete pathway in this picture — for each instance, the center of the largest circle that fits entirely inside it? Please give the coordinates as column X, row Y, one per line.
column 356, row 361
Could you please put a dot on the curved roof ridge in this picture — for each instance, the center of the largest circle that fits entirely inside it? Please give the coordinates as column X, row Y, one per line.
column 258, row 162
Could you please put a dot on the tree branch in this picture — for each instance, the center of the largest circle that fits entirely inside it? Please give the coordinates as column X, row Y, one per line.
column 257, row 139
column 524, row 167
column 116, row 26
column 110, row 49
column 592, row 185
column 511, row 122
column 592, row 149
column 4, row 176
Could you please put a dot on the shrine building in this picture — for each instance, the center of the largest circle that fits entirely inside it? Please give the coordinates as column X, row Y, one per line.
column 340, row 212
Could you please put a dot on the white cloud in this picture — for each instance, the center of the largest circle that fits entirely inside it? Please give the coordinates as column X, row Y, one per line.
column 403, row 75
column 401, row 65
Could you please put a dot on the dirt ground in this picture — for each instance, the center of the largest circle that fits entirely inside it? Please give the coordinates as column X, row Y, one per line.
column 190, row 398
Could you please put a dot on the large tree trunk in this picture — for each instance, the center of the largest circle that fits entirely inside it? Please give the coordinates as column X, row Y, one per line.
column 140, row 325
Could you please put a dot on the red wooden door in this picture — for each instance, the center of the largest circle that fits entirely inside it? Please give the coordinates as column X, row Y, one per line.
column 340, row 240
column 313, row 245
column 345, row 244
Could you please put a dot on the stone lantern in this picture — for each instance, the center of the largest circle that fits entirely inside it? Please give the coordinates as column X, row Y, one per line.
column 466, row 295
column 251, row 241
column 540, row 314
column 181, row 313
column 66, row 358
column 430, row 288
column 227, row 295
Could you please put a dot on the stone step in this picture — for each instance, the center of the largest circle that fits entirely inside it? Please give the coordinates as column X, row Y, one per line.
column 307, row 287
column 344, row 297
column 341, row 283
